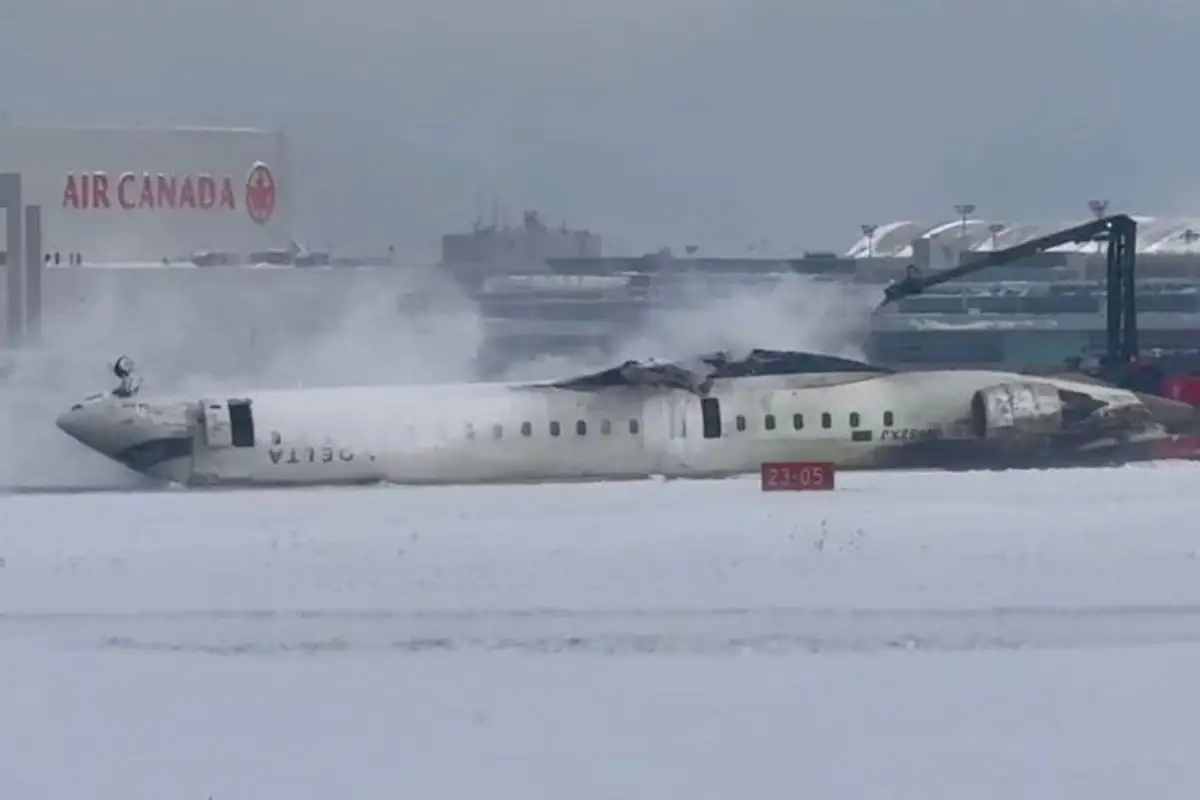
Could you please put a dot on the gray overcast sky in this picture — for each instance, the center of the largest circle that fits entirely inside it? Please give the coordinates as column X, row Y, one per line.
column 665, row 121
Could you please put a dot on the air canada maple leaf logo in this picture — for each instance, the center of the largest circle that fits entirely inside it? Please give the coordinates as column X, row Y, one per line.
column 260, row 194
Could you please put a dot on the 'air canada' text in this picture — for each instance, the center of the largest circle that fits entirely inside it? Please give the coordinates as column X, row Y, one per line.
column 131, row 191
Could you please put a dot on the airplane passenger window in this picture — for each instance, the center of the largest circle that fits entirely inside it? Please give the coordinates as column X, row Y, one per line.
column 826, row 420
column 555, row 429
column 526, row 429
column 889, row 419
column 470, row 431
column 581, row 428
column 633, row 426
column 740, row 422
column 497, row 431
column 606, row 427
column 769, row 422
column 798, row 421
column 855, row 419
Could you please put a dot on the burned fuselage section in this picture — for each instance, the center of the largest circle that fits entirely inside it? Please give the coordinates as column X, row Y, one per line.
column 1039, row 424
column 697, row 374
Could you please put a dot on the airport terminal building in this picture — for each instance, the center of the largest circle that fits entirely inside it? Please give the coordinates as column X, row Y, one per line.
column 210, row 202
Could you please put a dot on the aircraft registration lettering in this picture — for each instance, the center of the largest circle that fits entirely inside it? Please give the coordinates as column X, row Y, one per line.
column 909, row 434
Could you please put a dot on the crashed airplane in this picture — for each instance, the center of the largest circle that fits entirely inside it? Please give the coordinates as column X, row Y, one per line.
column 715, row 415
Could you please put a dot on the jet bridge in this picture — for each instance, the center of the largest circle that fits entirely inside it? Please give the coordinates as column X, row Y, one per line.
column 1119, row 231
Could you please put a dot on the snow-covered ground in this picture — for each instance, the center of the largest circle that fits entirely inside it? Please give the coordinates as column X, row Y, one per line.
column 907, row 636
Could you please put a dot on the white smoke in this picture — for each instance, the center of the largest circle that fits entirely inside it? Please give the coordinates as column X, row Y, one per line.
column 424, row 330
column 796, row 313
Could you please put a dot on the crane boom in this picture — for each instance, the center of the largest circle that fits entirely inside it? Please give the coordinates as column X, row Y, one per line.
column 1118, row 230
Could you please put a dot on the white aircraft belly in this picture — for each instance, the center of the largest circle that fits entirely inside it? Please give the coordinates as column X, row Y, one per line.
column 446, row 434
column 497, row 432
column 418, row 437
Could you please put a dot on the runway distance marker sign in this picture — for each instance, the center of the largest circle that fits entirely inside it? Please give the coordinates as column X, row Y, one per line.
column 797, row 476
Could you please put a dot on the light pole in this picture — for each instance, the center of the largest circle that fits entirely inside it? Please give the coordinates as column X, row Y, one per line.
column 1098, row 208
column 964, row 210
column 994, row 229
column 868, row 230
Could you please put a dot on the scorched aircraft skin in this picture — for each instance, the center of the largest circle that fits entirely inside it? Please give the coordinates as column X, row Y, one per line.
column 716, row 415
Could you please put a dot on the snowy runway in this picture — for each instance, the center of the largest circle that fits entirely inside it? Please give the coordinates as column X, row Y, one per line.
column 909, row 635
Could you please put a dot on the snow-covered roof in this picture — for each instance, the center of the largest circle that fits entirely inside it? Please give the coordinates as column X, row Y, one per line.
column 894, row 239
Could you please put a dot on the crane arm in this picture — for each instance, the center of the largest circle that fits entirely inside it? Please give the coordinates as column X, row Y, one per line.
column 1102, row 229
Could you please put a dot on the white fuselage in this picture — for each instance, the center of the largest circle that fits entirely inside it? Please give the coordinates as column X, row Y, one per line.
column 520, row 432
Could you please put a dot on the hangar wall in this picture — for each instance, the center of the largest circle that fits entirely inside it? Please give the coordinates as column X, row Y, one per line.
column 140, row 194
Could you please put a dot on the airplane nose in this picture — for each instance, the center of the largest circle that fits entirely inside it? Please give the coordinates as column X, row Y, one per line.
column 83, row 424
column 155, row 441
column 103, row 426
column 68, row 422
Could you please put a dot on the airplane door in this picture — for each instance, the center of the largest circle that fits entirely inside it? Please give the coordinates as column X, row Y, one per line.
column 710, row 417
column 670, row 426
column 217, row 430
column 225, row 441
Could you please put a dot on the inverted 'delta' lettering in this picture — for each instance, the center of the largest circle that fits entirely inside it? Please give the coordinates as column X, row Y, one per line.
column 309, row 455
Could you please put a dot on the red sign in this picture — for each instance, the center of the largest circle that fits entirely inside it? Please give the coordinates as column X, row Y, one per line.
column 797, row 476
column 260, row 194
column 130, row 191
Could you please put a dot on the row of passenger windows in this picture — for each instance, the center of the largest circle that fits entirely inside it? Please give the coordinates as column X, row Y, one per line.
column 606, row 426
column 606, row 429
column 889, row 419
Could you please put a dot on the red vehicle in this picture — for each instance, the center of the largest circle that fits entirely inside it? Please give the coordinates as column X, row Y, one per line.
column 1185, row 388
column 1174, row 375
